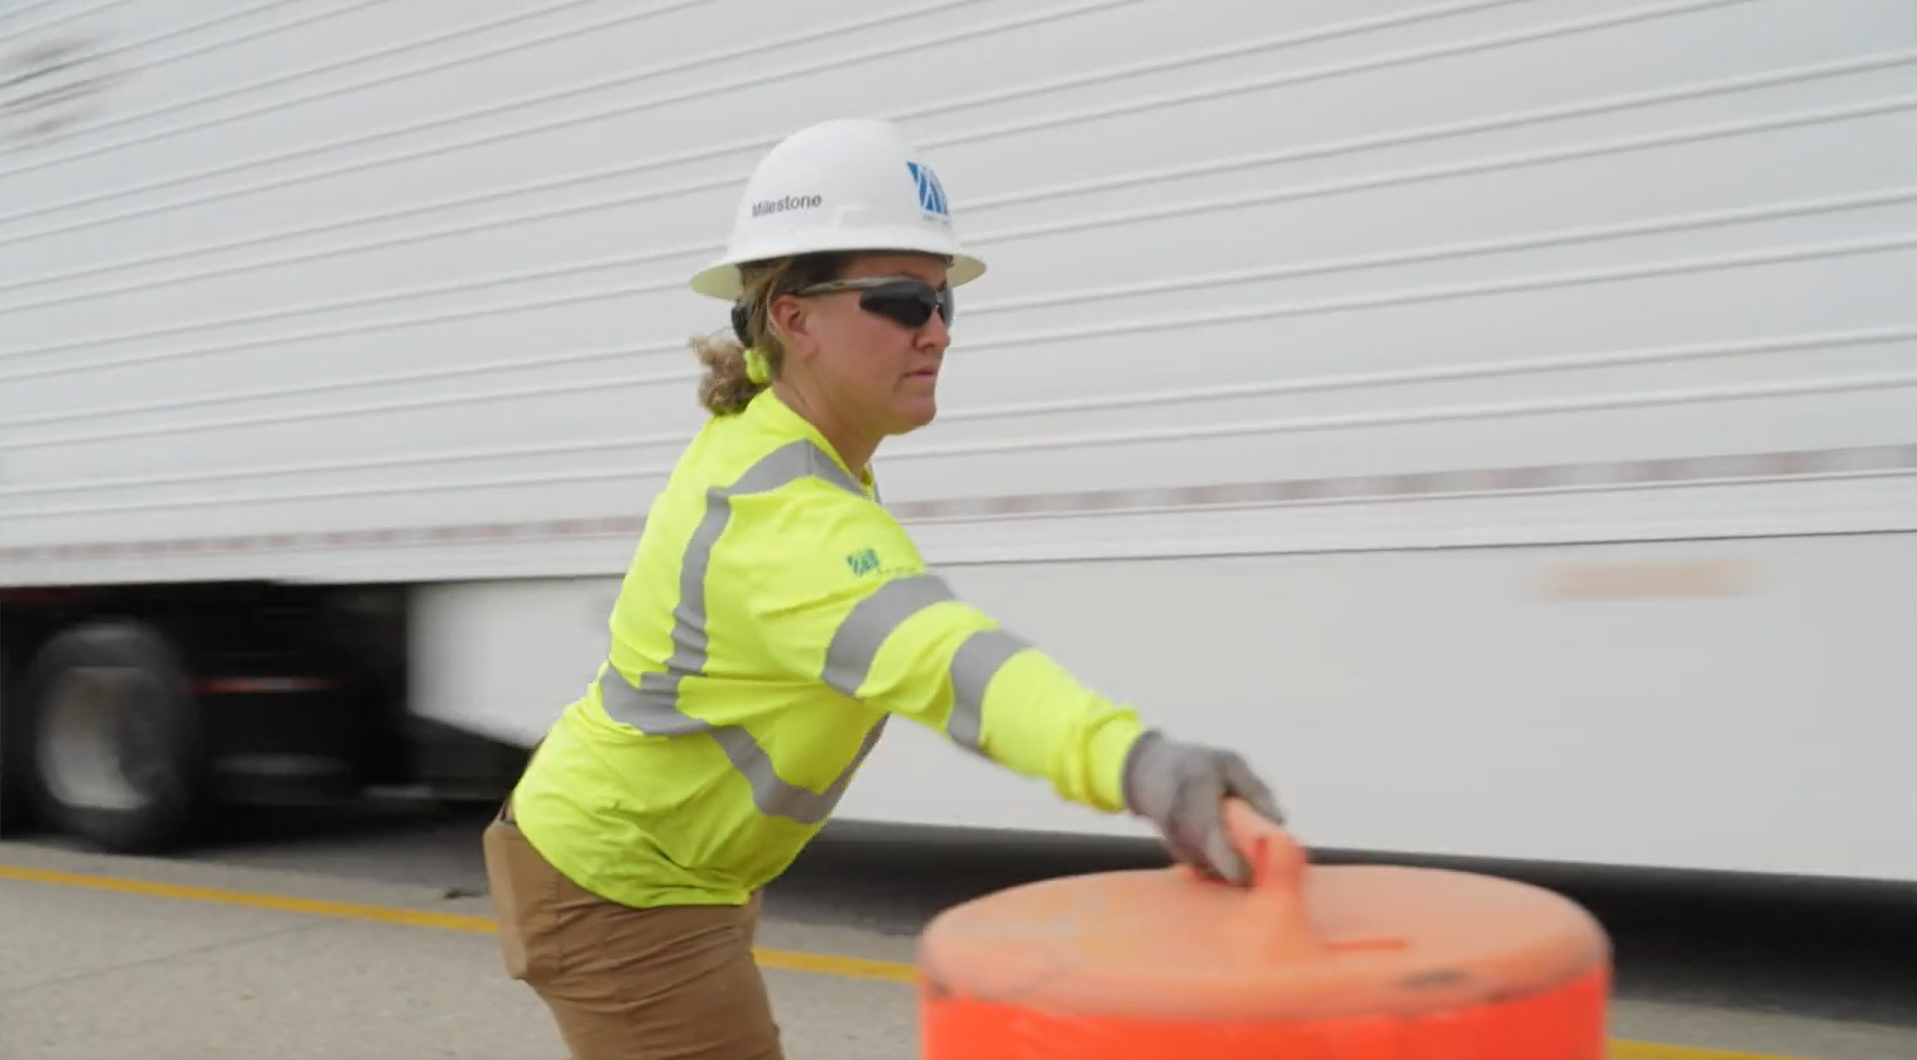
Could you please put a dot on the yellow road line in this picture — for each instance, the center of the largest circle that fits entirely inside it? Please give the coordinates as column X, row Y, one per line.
column 277, row 903
column 1624, row 1050
column 788, row 960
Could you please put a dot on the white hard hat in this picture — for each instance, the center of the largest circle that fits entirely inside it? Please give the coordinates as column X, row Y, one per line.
column 852, row 184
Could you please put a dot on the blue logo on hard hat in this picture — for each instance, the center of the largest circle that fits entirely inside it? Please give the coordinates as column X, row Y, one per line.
column 931, row 192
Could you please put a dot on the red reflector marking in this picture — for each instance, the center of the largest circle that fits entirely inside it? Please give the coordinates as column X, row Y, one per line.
column 231, row 686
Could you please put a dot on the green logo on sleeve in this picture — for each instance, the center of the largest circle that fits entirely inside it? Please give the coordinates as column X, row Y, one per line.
column 863, row 562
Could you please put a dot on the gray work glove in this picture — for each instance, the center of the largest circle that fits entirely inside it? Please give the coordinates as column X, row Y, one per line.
column 1181, row 788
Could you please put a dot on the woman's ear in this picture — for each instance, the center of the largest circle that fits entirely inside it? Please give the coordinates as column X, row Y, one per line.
column 789, row 320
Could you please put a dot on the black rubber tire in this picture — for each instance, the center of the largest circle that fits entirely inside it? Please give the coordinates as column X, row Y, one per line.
column 14, row 758
column 166, row 752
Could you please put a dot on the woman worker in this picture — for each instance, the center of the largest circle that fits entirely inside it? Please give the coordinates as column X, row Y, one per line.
column 773, row 619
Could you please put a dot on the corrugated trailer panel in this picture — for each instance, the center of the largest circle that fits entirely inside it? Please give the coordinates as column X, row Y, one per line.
column 394, row 291
column 365, row 290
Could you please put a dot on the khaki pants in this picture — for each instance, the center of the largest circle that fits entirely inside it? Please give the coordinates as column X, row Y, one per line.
column 676, row 983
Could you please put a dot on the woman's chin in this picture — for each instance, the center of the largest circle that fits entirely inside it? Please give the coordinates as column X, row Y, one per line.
column 913, row 411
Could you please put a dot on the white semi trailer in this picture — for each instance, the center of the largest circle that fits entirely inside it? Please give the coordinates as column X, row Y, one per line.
column 1496, row 418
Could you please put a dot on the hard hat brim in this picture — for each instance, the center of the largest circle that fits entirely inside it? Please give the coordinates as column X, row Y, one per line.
column 721, row 279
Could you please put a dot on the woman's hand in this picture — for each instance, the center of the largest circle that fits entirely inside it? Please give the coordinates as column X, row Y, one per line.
column 1182, row 789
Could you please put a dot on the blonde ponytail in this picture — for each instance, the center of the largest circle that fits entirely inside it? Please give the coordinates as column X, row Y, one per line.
column 728, row 385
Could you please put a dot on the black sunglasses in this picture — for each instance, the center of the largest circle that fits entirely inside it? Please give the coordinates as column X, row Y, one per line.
column 907, row 301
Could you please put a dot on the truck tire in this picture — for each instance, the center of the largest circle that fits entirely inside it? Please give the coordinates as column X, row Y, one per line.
column 116, row 750
column 13, row 741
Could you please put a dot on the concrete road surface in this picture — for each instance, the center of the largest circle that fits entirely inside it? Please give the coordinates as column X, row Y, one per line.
column 111, row 959
column 369, row 937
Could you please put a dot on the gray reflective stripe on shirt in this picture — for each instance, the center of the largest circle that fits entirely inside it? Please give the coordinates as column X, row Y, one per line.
column 856, row 644
column 857, row 641
column 774, row 796
column 977, row 661
column 653, row 706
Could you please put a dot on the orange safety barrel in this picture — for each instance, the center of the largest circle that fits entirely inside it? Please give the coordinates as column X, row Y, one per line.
column 1308, row 963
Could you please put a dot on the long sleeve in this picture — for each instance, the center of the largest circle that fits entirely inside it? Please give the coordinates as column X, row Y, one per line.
column 854, row 606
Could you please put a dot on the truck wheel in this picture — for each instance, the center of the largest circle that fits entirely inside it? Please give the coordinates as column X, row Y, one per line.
column 115, row 738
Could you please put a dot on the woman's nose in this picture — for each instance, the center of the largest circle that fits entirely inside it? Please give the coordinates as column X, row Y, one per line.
column 935, row 334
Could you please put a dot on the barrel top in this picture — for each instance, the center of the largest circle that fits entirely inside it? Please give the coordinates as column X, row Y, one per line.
column 1306, row 942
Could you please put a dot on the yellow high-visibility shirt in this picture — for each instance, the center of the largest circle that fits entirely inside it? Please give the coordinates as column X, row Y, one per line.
column 773, row 618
